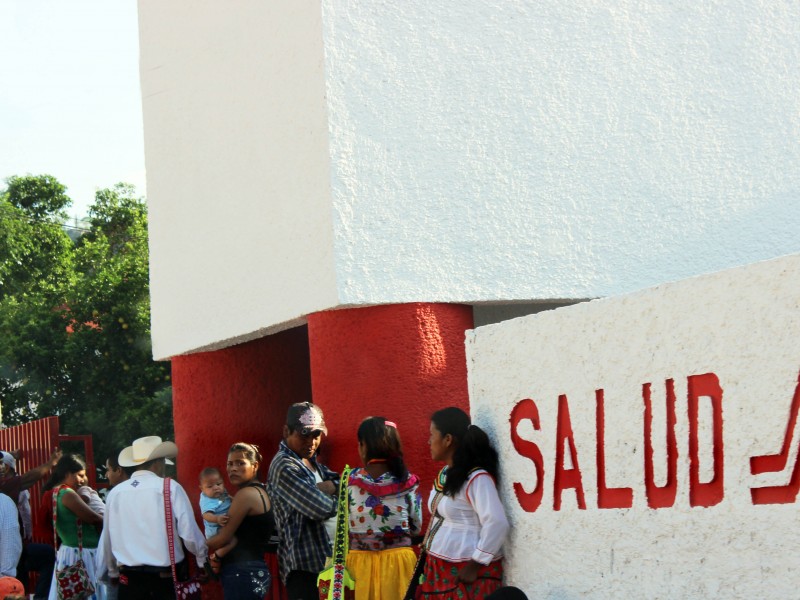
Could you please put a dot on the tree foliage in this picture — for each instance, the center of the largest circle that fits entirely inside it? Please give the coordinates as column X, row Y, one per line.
column 35, row 251
column 41, row 197
column 75, row 317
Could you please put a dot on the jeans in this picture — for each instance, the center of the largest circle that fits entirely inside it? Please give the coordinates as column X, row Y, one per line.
column 245, row 580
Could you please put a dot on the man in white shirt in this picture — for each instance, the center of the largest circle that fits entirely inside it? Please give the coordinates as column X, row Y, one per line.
column 134, row 546
column 10, row 537
column 35, row 557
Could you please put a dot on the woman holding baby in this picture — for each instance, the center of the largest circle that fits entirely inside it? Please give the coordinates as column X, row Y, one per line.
column 244, row 573
column 74, row 518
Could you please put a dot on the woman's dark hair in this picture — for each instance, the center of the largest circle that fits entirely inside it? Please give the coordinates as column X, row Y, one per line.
column 382, row 442
column 250, row 451
column 66, row 465
column 472, row 447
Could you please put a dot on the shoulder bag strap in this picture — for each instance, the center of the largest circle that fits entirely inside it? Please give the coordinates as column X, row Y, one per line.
column 435, row 522
column 433, row 526
column 341, row 544
column 170, row 538
column 436, row 519
column 54, row 493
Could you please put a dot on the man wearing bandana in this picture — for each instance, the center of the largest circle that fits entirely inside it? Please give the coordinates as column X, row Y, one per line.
column 303, row 493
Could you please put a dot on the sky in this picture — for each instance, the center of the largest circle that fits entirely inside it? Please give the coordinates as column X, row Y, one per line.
column 70, row 103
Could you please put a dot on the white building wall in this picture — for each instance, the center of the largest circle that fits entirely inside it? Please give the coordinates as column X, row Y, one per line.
column 496, row 150
column 314, row 154
column 236, row 141
column 740, row 325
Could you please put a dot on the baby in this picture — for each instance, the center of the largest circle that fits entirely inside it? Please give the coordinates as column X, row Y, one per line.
column 92, row 499
column 214, row 504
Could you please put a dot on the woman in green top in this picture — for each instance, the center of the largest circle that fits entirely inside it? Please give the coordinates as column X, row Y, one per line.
column 68, row 475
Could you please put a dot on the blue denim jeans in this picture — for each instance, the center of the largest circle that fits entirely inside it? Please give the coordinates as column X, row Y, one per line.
column 246, row 580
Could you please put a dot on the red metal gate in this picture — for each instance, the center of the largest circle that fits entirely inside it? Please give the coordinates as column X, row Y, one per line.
column 36, row 441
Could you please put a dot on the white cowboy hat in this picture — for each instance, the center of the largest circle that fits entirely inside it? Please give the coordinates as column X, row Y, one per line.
column 145, row 449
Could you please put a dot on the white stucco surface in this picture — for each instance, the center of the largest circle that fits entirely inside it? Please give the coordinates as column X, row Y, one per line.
column 317, row 154
column 535, row 150
column 741, row 325
column 236, row 148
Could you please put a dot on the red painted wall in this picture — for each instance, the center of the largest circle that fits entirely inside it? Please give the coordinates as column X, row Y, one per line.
column 401, row 361
column 238, row 394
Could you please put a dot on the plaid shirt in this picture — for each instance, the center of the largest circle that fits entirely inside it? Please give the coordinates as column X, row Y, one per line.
column 300, row 509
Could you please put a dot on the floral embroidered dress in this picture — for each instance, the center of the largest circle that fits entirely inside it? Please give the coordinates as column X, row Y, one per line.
column 384, row 514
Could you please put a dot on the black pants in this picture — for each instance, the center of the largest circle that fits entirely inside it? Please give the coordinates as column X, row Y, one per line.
column 40, row 558
column 302, row 585
column 141, row 586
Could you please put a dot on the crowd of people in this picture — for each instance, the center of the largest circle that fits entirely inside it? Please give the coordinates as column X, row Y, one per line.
column 129, row 550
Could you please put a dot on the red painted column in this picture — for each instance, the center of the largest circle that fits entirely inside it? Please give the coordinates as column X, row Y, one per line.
column 401, row 361
column 237, row 394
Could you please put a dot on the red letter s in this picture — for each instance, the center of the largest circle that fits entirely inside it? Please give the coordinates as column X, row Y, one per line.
column 526, row 409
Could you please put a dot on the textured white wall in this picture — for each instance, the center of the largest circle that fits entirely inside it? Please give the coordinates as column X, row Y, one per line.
column 236, row 147
column 741, row 325
column 309, row 154
column 495, row 149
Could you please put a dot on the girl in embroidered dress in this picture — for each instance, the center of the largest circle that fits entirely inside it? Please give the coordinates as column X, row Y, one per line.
column 469, row 523
column 385, row 511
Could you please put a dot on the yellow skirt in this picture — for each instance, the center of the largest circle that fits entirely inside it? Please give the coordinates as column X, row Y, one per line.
column 381, row 574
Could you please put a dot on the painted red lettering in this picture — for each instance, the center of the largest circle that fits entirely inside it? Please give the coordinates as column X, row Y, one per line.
column 566, row 478
column 660, row 496
column 606, row 497
column 526, row 410
column 711, row 493
column 775, row 463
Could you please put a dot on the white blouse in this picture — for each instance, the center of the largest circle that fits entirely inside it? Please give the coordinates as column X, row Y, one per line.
column 475, row 524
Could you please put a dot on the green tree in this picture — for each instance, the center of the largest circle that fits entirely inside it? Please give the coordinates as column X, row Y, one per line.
column 36, row 269
column 78, row 346
column 35, row 251
column 41, row 196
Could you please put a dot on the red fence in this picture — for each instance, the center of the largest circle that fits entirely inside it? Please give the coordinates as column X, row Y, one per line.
column 36, row 441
